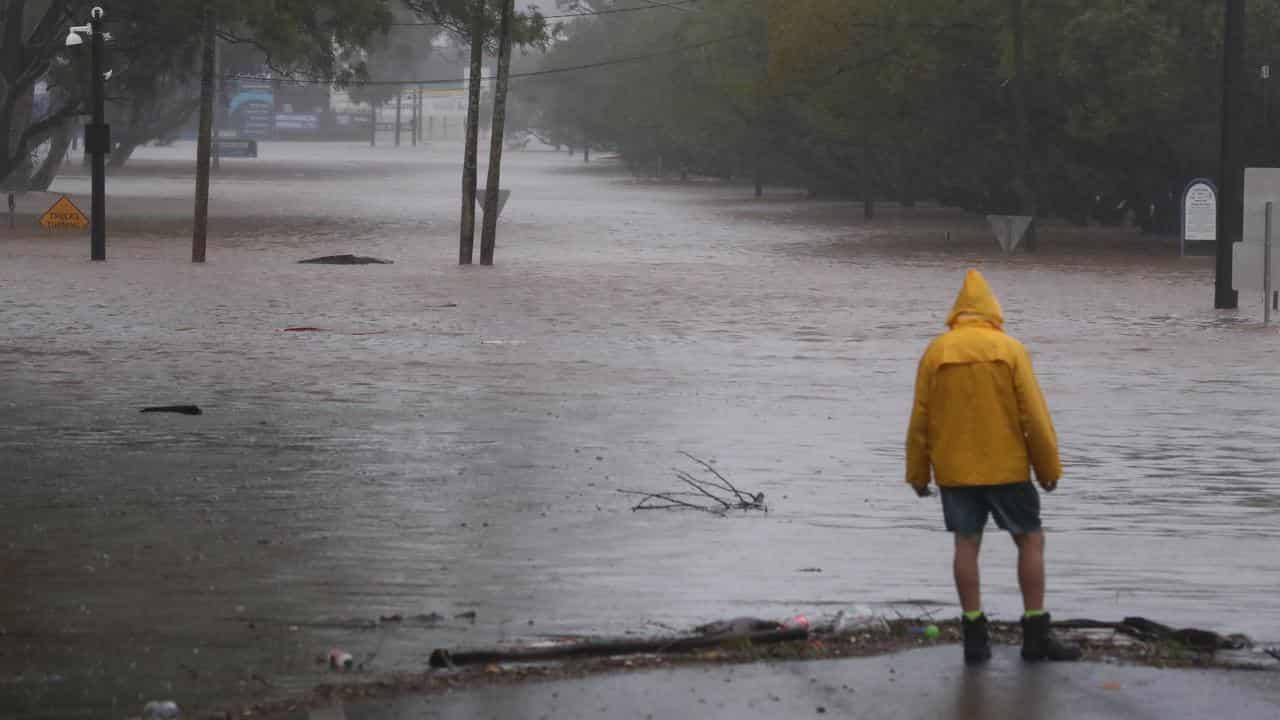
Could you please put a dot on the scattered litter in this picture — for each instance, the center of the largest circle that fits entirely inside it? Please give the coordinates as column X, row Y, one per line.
column 738, row 626
column 810, row 570
column 390, row 618
column 441, row 306
column 1194, row 639
column 161, row 710
column 1111, row 686
column 468, row 615
column 180, row 409
column 345, row 259
column 798, row 621
column 302, row 328
column 858, row 618
column 340, row 659
column 430, row 618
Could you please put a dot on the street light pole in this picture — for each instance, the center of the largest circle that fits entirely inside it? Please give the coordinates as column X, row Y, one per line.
column 1231, row 175
column 97, row 135
column 97, row 140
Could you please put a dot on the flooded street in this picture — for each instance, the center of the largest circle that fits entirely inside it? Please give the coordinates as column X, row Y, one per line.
column 453, row 438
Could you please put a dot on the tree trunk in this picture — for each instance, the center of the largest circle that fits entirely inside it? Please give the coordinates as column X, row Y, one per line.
column 868, row 204
column 11, row 66
column 467, row 236
column 373, row 124
column 121, row 153
column 1025, row 183
column 59, row 142
column 205, row 141
column 489, row 232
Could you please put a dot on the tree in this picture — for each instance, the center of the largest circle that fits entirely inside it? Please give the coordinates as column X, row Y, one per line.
column 476, row 22
column 1073, row 108
column 321, row 39
column 31, row 40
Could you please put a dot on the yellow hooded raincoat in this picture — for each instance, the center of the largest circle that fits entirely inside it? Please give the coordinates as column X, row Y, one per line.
column 979, row 417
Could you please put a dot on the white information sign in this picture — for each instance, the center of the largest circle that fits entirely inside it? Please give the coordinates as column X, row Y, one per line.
column 1200, row 212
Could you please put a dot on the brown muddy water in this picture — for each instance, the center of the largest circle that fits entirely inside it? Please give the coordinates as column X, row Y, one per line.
column 419, row 459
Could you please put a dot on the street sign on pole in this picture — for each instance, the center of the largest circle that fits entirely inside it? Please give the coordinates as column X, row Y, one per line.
column 503, row 195
column 1010, row 230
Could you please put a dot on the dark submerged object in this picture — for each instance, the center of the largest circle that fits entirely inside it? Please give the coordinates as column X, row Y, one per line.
column 179, row 409
column 346, row 259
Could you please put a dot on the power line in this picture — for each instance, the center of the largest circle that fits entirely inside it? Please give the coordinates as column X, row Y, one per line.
column 677, row 4
column 532, row 73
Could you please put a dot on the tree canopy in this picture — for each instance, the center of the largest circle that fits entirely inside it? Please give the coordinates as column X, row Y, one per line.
column 911, row 99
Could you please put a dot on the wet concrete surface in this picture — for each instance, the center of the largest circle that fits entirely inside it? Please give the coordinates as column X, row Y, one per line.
column 424, row 460
column 928, row 684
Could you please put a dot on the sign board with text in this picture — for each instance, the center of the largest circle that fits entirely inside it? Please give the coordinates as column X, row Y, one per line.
column 1199, row 213
column 64, row 214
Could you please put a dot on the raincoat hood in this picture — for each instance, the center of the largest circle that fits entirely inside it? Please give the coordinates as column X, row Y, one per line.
column 976, row 300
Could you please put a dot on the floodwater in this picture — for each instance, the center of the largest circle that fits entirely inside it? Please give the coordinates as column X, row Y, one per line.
column 416, row 457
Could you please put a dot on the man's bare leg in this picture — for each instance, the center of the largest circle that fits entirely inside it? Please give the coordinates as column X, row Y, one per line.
column 965, row 567
column 1031, row 569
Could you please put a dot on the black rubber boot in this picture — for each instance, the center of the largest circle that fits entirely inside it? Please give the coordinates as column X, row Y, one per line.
column 977, row 640
column 1040, row 644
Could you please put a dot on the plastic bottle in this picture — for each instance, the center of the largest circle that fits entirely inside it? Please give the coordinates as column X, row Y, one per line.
column 340, row 659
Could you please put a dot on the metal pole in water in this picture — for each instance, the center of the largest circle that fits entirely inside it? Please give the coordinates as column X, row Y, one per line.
column 1266, row 269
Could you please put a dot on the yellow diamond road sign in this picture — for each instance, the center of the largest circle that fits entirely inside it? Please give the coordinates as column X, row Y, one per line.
column 64, row 214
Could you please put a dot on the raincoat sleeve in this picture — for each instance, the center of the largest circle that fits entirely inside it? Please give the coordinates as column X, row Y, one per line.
column 918, row 430
column 1037, row 425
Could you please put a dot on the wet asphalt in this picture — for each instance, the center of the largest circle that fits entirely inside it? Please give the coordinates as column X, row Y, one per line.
column 925, row 684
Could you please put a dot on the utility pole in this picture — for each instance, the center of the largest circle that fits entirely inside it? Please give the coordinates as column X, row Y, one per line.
column 470, row 172
column 1231, row 173
column 98, row 140
column 399, row 104
column 1268, row 144
column 204, row 144
column 489, row 232
column 1026, row 184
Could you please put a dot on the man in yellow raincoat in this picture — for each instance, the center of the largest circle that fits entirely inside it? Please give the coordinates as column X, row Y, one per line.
column 978, row 426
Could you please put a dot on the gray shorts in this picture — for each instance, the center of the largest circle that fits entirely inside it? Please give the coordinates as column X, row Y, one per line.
column 1016, row 508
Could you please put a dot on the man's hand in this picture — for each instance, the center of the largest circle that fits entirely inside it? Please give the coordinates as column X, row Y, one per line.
column 922, row 490
column 1048, row 485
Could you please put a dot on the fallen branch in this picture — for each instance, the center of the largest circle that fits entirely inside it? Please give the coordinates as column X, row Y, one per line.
column 722, row 493
column 672, row 503
column 728, row 485
column 441, row 658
